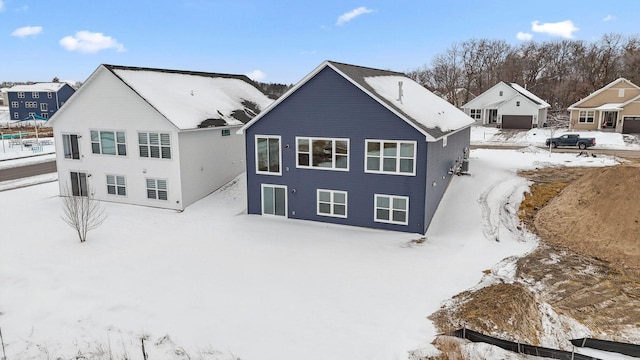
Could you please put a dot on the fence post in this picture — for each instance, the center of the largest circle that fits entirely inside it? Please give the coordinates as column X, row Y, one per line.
column 145, row 356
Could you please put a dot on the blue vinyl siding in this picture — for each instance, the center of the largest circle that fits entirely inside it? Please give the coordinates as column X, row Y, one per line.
column 329, row 106
column 440, row 160
column 53, row 103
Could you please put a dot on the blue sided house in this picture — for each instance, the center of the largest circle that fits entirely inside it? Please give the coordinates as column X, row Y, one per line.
column 356, row 146
column 41, row 99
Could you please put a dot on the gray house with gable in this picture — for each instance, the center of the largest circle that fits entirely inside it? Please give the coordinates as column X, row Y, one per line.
column 356, row 146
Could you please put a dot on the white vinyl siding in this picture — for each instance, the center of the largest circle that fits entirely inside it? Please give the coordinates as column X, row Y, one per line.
column 322, row 153
column 332, row 203
column 116, row 185
column 268, row 155
column 390, row 157
column 154, row 145
column 391, row 209
column 157, row 189
column 108, row 142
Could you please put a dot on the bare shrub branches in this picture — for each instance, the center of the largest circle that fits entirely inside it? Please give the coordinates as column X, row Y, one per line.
column 82, row 213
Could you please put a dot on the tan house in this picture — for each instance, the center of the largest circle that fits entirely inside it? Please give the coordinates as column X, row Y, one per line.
column 615, row 107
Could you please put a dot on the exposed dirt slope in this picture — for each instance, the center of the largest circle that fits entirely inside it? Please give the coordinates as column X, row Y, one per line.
column 598, row 215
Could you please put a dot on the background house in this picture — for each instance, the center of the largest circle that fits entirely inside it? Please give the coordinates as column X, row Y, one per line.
column 42, row 99
column 615, row 107
column 153, row 137
column 356, row 146
column 509, row 106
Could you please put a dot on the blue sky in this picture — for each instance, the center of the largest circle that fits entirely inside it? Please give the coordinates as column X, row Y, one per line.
column 277, row 41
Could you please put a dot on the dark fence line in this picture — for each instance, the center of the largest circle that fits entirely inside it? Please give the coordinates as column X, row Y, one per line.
column 612, row 346
column 475, row 336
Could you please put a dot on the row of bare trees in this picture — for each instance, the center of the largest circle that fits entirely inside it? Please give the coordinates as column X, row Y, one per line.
column 561, row 72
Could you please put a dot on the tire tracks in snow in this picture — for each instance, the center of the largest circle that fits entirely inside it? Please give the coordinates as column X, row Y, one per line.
column 499, row 208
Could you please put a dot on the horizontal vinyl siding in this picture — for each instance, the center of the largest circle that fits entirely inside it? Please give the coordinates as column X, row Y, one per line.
column 328, row 106
column 440, row 160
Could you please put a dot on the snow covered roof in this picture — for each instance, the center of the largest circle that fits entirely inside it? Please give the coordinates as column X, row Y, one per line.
column 528, row 94
column 191, row 99
column 610, row 106
column 49, row 86
column 425, row 111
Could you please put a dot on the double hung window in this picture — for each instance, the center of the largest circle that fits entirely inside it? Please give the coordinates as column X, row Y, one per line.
column 154, row 145
column 332, row 203
column 390, row 157
column 79, row 184
column 586, row 116
column 391, row 209
column 116, row 185
column 70, row 146
column 157, row 189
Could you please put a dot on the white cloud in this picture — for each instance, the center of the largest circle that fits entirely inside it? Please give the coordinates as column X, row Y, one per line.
column 609, row 18
column 348, row 16
column 27, row 31
column 90, row 42
column 563, row 29
column 256, row 75
column 1, row 5
column 524, row 36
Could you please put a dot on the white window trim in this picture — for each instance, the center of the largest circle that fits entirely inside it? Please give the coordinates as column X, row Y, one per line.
column 332, row 203
column 115, row 139
column 586, row 116
column 279, row 173
column 35, row 95
column 397, row 172
column 115, row 177
column 15, row 104
column 333, row 150
column 390, row 221
column 475, row 114
column 21, row 95
column 157, row 198
column 149, row 145
column 44, row 107
column 49, row 95
column 286, row 200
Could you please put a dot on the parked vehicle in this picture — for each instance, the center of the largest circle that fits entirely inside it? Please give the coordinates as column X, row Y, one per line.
column 571, row 140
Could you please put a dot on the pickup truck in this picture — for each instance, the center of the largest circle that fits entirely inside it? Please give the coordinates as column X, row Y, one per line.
column 571, row 140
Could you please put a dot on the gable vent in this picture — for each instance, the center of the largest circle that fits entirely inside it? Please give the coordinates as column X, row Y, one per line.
column 400, row 91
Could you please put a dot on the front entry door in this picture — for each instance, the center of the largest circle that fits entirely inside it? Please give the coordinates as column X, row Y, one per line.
column 610, row 118
column 274, row 200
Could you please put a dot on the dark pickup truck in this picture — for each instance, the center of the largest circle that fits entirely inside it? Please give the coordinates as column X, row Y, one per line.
column 571, row 140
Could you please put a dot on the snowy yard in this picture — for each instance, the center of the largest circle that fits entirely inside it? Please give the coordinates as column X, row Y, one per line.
column 219, row 283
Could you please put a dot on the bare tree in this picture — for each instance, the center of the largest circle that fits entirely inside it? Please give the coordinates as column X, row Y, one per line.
column 82, row 213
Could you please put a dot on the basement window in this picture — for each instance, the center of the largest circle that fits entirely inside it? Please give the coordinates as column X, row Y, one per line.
column 226, row 132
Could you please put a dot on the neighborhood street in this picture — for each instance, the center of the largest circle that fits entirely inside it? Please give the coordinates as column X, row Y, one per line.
column 27, row 170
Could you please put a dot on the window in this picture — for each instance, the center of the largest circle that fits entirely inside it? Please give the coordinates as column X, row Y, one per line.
column 108, row 142
column 157, row 189
column 32, row 114
column 31, row 104
column 391, row 157
column 155, row 145
column 15, row 104
column 586, row 116
column 268, row 155
column 70, row 146
column 226, row 132
column 79, row 184
column 517, row 103
column 20, row 95
column 16, row 115
column 475, row 114
column 323, row 153
column 391, row 209
column 45, row 115
column 44, row 107
column 620, row 92
column 501, row 93
column 116, row 185
column 49, row 95
column 35, row 95
column 274, row 200
column 444, row 141
column 332, row 203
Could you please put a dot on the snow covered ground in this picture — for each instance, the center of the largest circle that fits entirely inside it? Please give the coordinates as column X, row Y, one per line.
column 214, row 283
